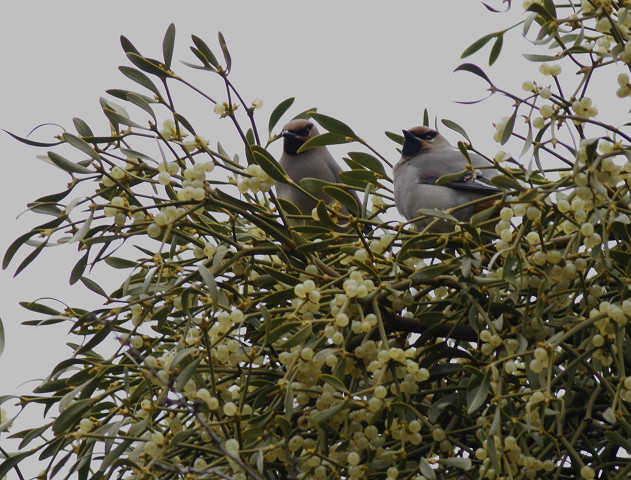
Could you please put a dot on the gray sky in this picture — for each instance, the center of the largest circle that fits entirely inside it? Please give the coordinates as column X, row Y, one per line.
column 374, row 65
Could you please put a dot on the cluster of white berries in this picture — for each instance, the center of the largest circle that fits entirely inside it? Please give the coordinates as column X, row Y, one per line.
column 118, row 173
column 169, row 129
column 489, row 342
column 516, row 460
column 163, row 218
column 223, row 109
column 625, row 56
column 356, row 286
column 541, row 360
column 546, row 111
column 194, row 180
column 255, row 180
column 550, row 70
column 118, row 208
column 583, row 108
column 625, row 392
column 623, row 83
column 613, row 317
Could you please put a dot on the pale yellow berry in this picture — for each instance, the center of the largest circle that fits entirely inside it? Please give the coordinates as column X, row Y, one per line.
column 154, row 231
column 546, row 111
column 86, row 425
column 229, row 409
column 587, row 472
column 353, row 458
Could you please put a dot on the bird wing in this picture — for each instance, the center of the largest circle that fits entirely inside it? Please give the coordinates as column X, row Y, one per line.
column 431, row 166
column 473, row 182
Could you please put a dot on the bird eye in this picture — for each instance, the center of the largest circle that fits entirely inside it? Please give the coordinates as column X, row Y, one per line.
column 304, row 132
column 429, row 136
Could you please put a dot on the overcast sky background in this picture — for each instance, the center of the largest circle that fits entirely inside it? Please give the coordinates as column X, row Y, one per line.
column 374, row 65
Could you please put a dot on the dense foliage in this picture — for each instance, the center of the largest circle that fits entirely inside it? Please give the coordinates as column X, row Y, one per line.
column 238, row 346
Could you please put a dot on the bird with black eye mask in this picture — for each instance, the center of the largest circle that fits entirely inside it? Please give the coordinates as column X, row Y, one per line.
column 313, row 163
column 426, row 156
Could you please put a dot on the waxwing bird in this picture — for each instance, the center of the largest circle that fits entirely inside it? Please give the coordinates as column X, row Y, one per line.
column 427, row 156
column 313, row 163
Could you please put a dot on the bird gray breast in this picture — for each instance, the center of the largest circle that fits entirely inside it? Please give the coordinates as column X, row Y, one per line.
column 315, row 163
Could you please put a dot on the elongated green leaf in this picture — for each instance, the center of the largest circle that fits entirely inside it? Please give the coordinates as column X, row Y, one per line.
column 71, row 416
column 334, row 125
column 117, row 119
column 13, row 460
column 205, row 51
column 506, row 183
column 142, row 103
column 184, row 123
column 278, row 112
column 334, row 382
column 469, row 67
column 324, row 139
column 167, row 45
column 345, row 198
column 66, row 164
column 369, row 162
column 450, row 177
column 79, row 268
column 2, row 338
column 269, row 164
column 317, row 246
column 476, row 394
column 181, row 355
column 149, row 66
column 39, row 308
column 82, row 128
column 298, row 338
column 320, row 418
column 477, row 45
column 456, row 128
column 186, row 374
column 95, row 287
column 14, row 247
column 508, row 129
column 426, row 469
column 127, row 45
column 205, row 65
column 140, row 78
column 120, row 263
column 539, row 58
column 31, row 142
column 82, row 145
column 359, row 178
column 281, row 276
column 481, row 217
column 210, row 282
column 32, row 256
column 430, row 273
column 395, row 137
column 323, row 215
column 496, row 49
column 226, row 53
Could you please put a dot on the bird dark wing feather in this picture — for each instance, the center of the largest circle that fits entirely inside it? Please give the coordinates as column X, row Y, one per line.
column 468, row 181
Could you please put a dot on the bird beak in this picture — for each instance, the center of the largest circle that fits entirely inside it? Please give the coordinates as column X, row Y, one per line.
column 408, row 135
column 287, row 133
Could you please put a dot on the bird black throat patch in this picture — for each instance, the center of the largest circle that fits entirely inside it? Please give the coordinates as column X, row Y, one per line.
column 292, row 143
column 412, row 146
